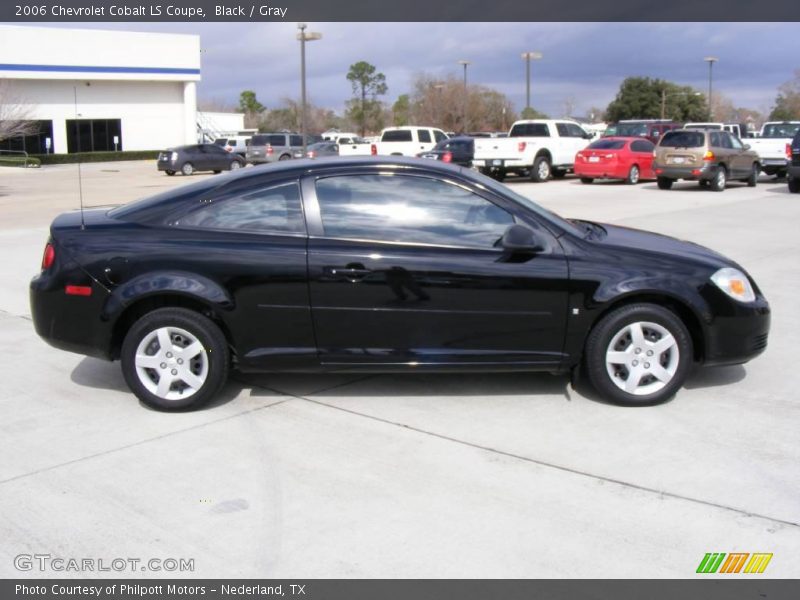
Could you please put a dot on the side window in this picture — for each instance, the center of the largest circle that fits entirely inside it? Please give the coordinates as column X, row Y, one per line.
column 438, row 136
column 295, row 140
column 402, row 208
column 276, row 140
column 714, row 139
column 424, row 136
column 269, row 210
column 642, row 146
column 725, row 140
column 736, row 143
column 575, row 130
column 563, row 130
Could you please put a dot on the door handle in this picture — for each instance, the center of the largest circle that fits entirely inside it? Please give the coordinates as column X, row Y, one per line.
column 349, row 272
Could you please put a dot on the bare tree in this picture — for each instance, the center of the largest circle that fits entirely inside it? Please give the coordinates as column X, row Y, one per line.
column 15, row 117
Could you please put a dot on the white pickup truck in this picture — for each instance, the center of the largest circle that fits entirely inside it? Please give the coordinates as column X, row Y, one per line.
column 397, row 141
column 771, row 145
column 539, row 148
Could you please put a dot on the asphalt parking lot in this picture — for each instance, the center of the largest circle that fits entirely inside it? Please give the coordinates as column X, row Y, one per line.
column 310, row 476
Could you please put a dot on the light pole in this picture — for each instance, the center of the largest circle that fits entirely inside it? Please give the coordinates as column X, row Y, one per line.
column 665, row 95
column 304, row 37
column 528, row 57
column 710, row 60
column 465, row 63
column 438, row 112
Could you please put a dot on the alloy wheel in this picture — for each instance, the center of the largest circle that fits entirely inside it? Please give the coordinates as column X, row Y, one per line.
column 642, row 358
column 171, row 363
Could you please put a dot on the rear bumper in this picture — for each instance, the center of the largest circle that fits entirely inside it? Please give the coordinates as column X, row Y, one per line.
column 703, row 173
column 600, row 171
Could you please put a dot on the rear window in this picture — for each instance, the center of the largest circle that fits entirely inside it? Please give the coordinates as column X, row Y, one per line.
column 683, row 139
column 221, row 141
column 607, row 145
column 530, row 130
column 780, row 130
column 397, row 135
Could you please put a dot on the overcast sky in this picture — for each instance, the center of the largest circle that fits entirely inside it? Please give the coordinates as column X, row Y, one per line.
column 582, row 61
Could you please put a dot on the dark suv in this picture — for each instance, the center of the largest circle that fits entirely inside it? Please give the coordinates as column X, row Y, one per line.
column 793, row 169
column 651, row 129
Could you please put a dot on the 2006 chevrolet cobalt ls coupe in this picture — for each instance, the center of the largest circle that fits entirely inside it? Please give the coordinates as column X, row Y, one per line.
column 383, row 264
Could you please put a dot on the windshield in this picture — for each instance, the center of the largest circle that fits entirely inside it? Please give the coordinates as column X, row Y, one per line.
column 780, row 130
column 627, row 129
column 683, row 139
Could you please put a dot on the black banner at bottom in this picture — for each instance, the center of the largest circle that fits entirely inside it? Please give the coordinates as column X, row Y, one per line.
column 404, row 589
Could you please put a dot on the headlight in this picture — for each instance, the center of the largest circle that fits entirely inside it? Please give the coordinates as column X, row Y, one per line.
column 734, row 283
column 174, row 156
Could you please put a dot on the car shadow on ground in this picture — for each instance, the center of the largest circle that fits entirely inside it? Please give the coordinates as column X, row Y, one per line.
column 102, row 375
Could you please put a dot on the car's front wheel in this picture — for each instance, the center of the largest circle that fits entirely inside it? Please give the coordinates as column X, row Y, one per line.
column 170, row 173
column 236, row 165
column 752, row 181
column 638, row 354
column 174, row 358
column 633, row 175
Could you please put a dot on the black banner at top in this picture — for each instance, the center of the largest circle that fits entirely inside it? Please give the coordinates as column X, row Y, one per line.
column 32, row 11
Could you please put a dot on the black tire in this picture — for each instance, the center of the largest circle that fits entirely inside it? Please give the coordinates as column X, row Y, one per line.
column 210, row 365
column 187, row 169
column 752, row 181
column 634, row 175
column 170, row 173
column 559, row 174
column 586, row 180
column 235, row 165
column 794, row 185
column 676, row 362
column 717, row 183
column 541, row 170
column 664, row 183
column 285, row 157
column 217, row 172
column 498, row 175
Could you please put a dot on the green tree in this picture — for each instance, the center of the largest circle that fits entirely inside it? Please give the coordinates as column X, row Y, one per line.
column 401, row 111
column 531, row 113
column 367, row 85
column 251, row 107
column 787, row 103
column 643, row 97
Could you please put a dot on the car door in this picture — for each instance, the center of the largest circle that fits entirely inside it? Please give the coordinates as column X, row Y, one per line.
column 218, row 158
column 642, row 152
column 425, row 140
column 403, row 270
column 740, row 157
column 249, row 236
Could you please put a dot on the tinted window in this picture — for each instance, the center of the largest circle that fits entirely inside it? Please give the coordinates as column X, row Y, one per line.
column 424, row 136
column 642, row 146
column 295, row 140
column 736, row 142
column 221, row 141
column 400, row 208
column 607, row 145
column 214, row 149
column 264, row 140
column 725, row 140
column 630, row 129
column 397, row 135
column 780, row 130
column 270, row 210
column 683, row 139
column 714, row 139
column 529, row 130
column 438, row 135
column 575, row 130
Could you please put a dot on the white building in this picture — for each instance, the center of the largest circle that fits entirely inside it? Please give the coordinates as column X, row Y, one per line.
column 94, row 90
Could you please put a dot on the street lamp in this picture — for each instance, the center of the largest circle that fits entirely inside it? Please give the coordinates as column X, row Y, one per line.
column 528, row 57
column 303, row 36
column 710, row 60
column 665, row 95
column 465, row 63
column 438, row 111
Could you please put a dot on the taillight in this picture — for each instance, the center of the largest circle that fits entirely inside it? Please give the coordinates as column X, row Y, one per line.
column 447, row 157
column 270, row 150
column 373, row 150
column 310, row 154
column 709, row 155
column 521, row 146
column 49, row 256
column 78, row 290
column 579, row 155
column 610, row 155
column 788, row 152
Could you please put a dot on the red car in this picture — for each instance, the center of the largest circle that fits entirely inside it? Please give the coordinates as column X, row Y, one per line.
column 627, row 158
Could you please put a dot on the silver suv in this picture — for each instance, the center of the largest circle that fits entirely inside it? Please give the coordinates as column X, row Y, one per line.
column 269, row 147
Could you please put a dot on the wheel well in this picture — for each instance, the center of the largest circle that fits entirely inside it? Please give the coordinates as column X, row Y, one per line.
column 676, row 306
column 146, row 305
column 545, row 153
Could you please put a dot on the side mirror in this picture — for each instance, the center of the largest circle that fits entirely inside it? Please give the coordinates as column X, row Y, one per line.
column 518, row 238
column 747, row 146
column 588, row 136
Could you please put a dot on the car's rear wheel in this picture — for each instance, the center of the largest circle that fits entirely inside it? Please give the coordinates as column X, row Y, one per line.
column 541, row 169
column 717, row 183
column 752, row 181
column 187, row 168
column 638, row 354
column 170, row 173
column 794, row 185
column 586, row 180
column 284, row 157
column 633, row 175
column 664, row 183
column 236, row 165
column 174, row 358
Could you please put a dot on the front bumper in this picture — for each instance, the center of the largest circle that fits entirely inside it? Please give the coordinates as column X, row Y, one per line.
column 167, row 165
column 736, row 332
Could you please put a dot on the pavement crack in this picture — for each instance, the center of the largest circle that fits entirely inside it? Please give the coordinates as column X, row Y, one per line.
column 146, row 441
column 549, row 465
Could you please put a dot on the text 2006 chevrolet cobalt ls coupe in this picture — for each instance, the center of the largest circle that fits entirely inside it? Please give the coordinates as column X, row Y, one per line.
column 383, row 264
